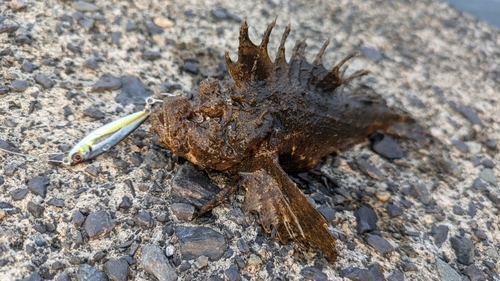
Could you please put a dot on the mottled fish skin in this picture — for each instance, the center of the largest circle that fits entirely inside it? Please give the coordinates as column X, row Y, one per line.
column 270, row 118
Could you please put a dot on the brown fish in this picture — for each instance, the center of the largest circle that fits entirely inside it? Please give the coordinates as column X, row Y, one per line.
column 270, row 118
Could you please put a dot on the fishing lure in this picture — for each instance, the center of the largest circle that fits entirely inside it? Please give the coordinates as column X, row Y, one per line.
column 107, row 136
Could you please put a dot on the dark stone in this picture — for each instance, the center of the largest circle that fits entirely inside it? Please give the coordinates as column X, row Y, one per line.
column 143, row 218
column 57, row 265
column 409, row 267
column 18, row 194
column 29, row 66
column 461, row 146
column 366, row 219
column 89, row 273
column 233, row 273
column 78, row 218
column 487, row 163
column 115, row 38
column 313, row 273
column 19, row 85
column 478, row 184
column 91, row 63
column 373, row 273
column 190, row 67
column 491, row 144
column 219, row 13
column 191, row 185
column 130, row 26
column 420, row 192
column 8, row 25
column 34, row 276
column 117, row 270
column 94, row 113
column 23, row 39
column 200, row 241
column 43, row 80
column 133, row 92
column 38, row 185
column 457, row 210
column 474, row 273
column 107, row 83
column 92, row 170
column 480, row 234
column 73, row 48
column 369, row 169
column 396, row 276
column 471, row 209
column 183, row 211
column 394, row 210
column 371, row 53
column 440, row 234
column 464, row 249
column 379, row 244
column 242, row 246
column 58, row 202
column 126, row 203
column 386, row 146
column 151, row 55
column 489, row 264
column 153, row 28
column 86, row 23
column 63, row 277
column 154, row 262
column 327, row 212
column 98, row 224
column 469, row 113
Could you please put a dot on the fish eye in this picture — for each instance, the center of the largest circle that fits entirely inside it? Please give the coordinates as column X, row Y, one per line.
column 76, row 157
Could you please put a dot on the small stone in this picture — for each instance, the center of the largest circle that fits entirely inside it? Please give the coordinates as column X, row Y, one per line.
column 85, row 7
column 446, row 272
column 8, row 25
column 409, row 267
column 386, row 146
column 191, row 68
column 379, row 244
column 130, row 26
column 480, row 234
column 117, row 270
column 133, row 91
column 126, row 203
column 373, row 273
column 29, row 66
column 489, row 264
column 420, row 192
column 78, row 218
column 98, row 224
column 115, row 38
column 369, row 169
column 469, row 113
column 35, row 209
column 94, row 113
column 371, row 53
column 154, row 262
column 34, row 276
column 383, row 196
column 489, row 176
column 313, row 273
column 90, row 273
column 396, row 276
column 43, row 80
column 461, row 146
column 18, row 194
column 153, row 28
column 327, row 212
column 220, row 13
column 487, row 163
column 86, row 23
column 91, row 63
column 242, row 246
column 394, row 210
column 457, row 210
column 191, row 185
column 38, row 185
column 440, row 234
column 474, row 273
column 143, row 218
column 19, row 85
column 478, row 184
column 201, row 262
column 183, row 211
column 107, row 83
column 198, row 241
column 151, row 55
column 169, row 250
column 366, row 219
column 491, row 144
column 233, row 273
column 58, row 202
column 464, row 249
column 23, row 39
column 163, row 22
column 57, row 265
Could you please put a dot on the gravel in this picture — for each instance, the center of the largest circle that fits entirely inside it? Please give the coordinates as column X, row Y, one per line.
column 200, row 241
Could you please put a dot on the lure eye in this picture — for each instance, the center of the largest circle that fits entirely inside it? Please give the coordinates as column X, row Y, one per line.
column 77, row 157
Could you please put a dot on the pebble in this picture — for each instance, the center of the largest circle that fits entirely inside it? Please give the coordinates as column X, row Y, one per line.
column 242, row 246
column 488, row 176
column 464, row 249
column 107, row 83
column 78, row 218
column 386, row 146
column 327, row 212
column 369, row 169
column 313, row 273
column 58, row 202
column 480, row 234
column 371, row 53
column 94, row 113
column 126, row 203
column 474, row 273
column 85, row 6
column 200, row 240
column 409, row 267
column 143, row 218
column 366, row 219
column 190, row 67
column 117, row 269
column 201, row 262
column 394, row 210
column 220, row 13
column 461, row 146
column 163, row 22
column 89, row 273
column 133, row 91
column 373, row 273
column 29, row 66
column 471, row 209
column 19, row 85
column 35, row 209
column 457, row 210
column 192, row 186
column 43, row 80
column 440, row 234
column 98, row 224
column 478, row 184
column 383, row 196
column 115, row 38
column 233, row 273
column 86, row 23
column 8, row 25
column 23, row 39
column 18, row 193
column 469, row 113
column 130, row 26
column 421, row 193
column 153, row 28
column 34, row 276
column 396, row 276
column 154, row 262
column 487, row 163
column 183, row 211
column 379, row 243
column 151, row 55
column 446, row 272
column 38, row 185
column 489, row 264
